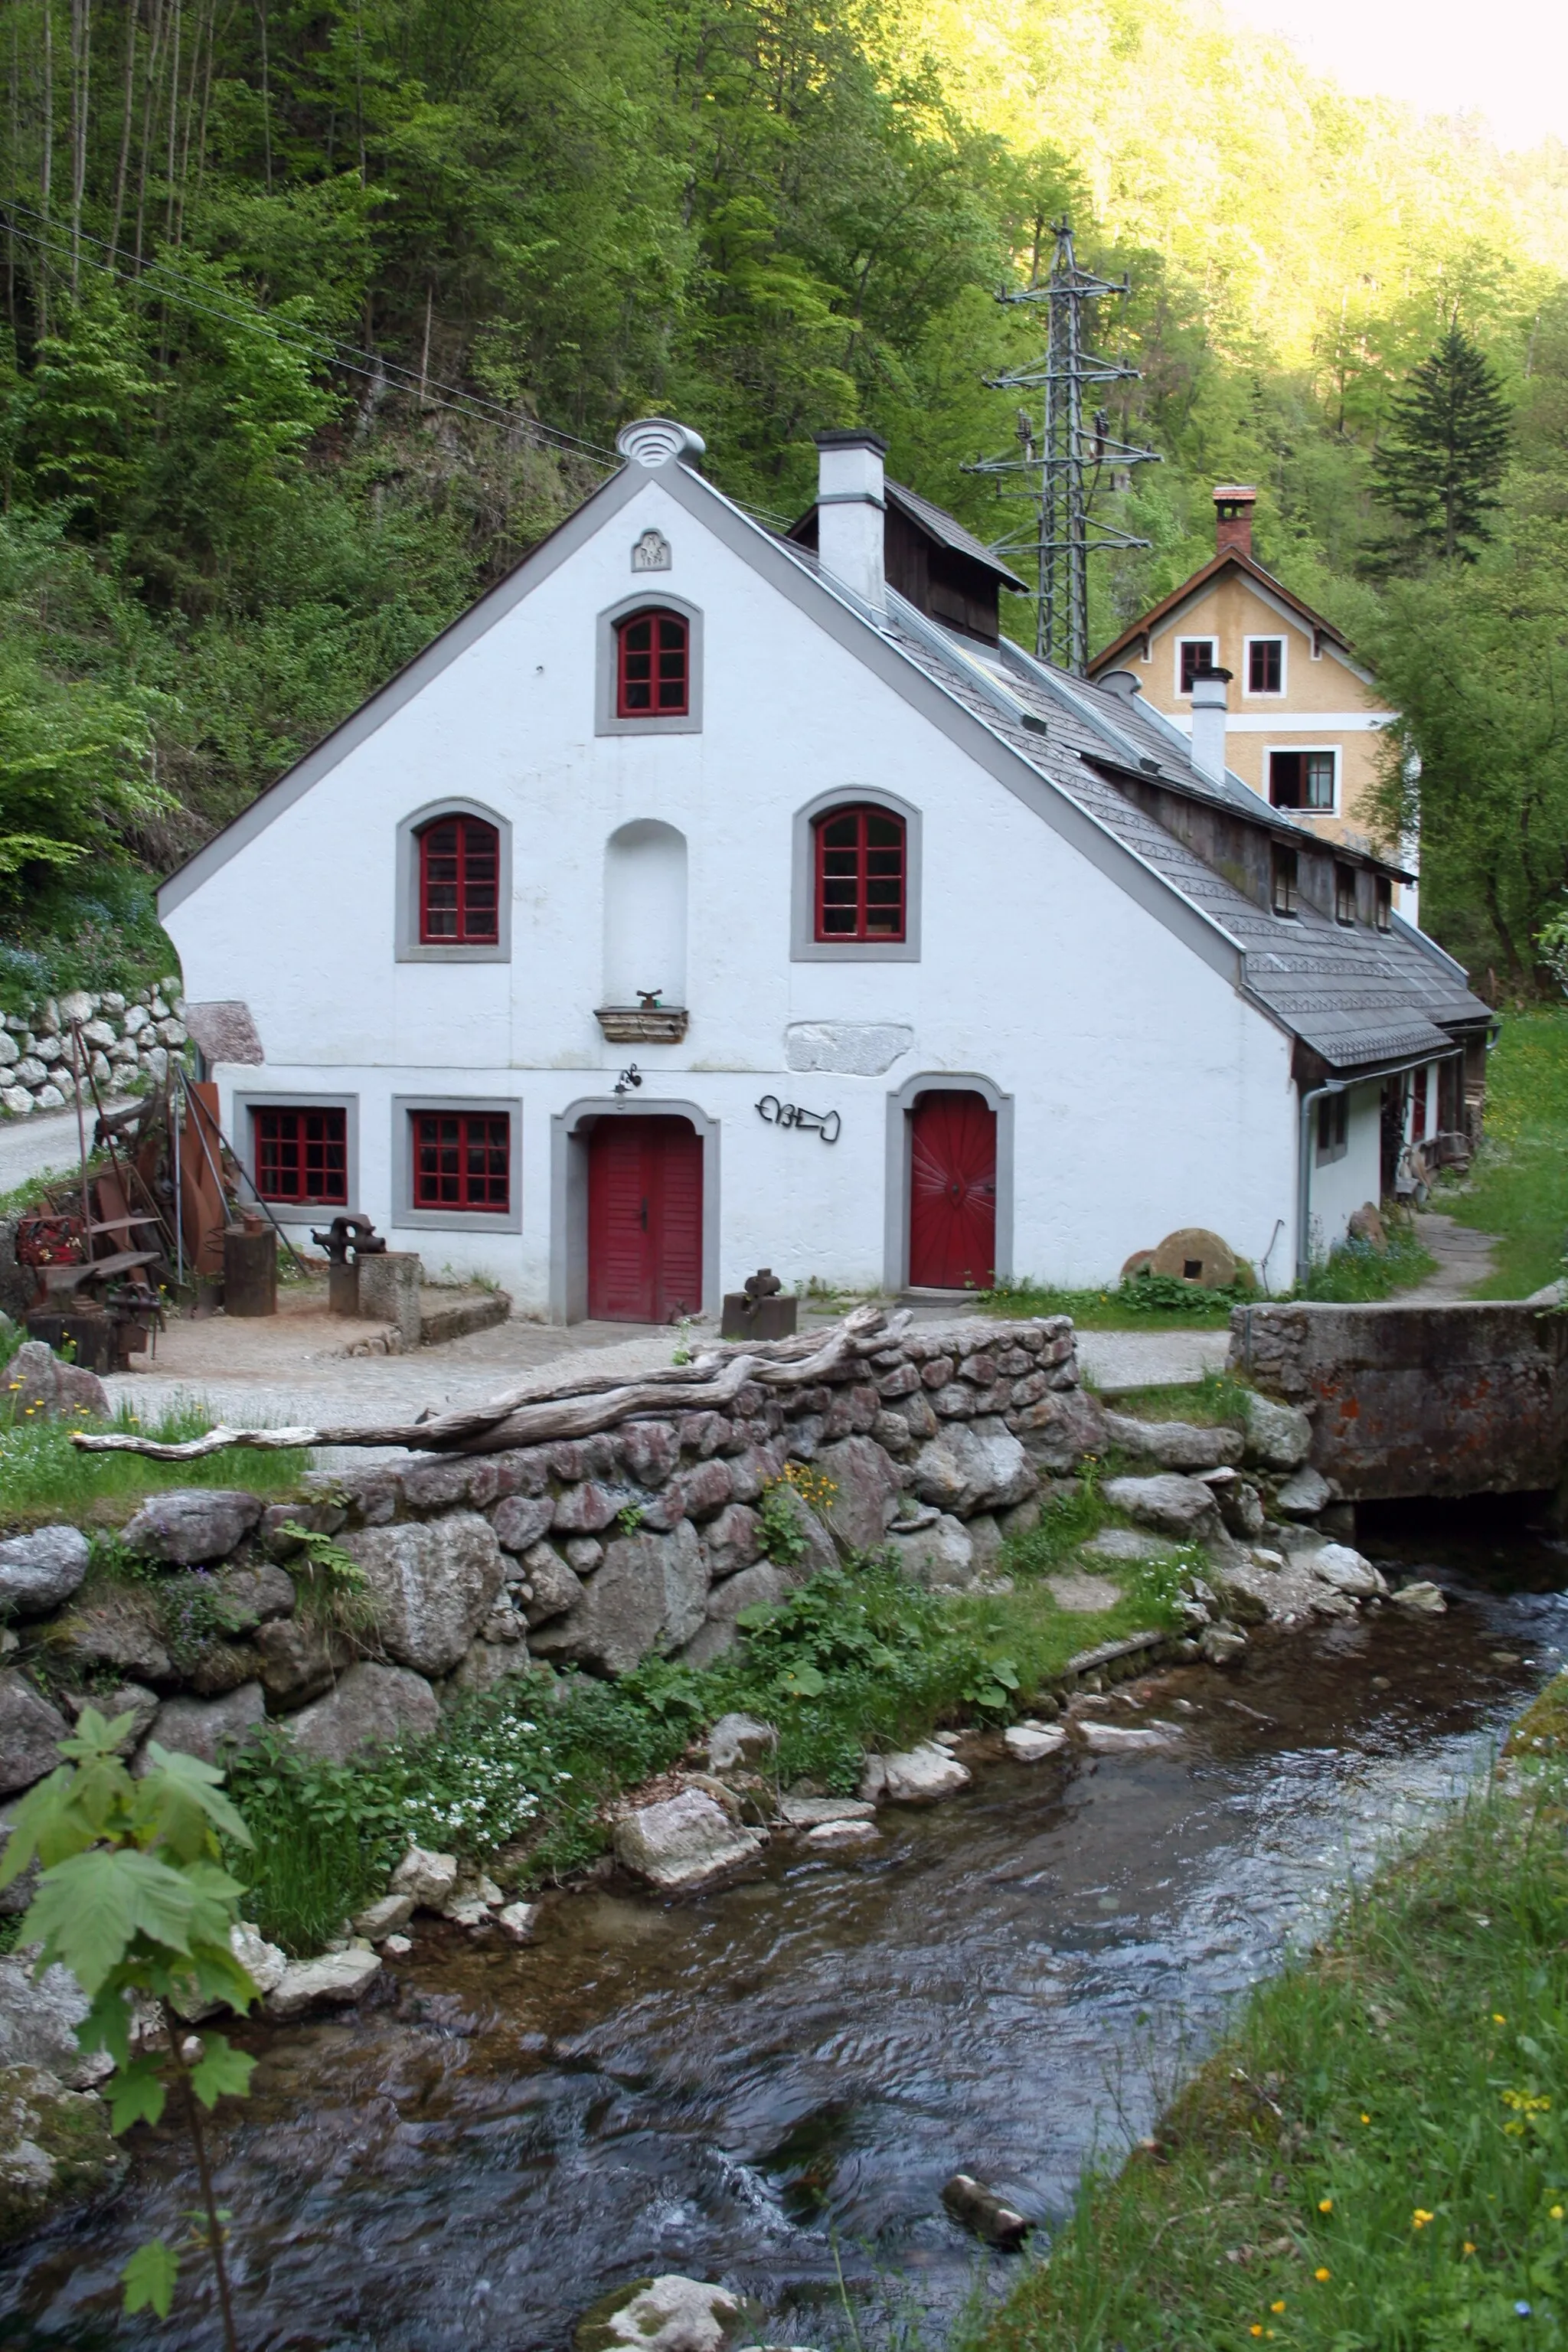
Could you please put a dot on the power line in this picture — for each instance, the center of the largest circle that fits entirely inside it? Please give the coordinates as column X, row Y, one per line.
column 293, row 334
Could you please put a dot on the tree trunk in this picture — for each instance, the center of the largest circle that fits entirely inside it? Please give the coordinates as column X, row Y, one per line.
column 81, row 87
column 47, row 165
column 127, row 109
column 155, row 44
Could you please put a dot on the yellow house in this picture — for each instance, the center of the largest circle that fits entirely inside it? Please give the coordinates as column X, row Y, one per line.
column 1303, row 716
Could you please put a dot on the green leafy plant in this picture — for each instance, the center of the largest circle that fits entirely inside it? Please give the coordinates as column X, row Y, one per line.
column 783, row 1539
column 134, row 1900
column 629, row 1519
column 331, row 1586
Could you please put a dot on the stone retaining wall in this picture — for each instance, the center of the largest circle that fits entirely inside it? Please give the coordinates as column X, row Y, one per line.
column 1466, row 1397
column 646, row 1538
column 126, row 1037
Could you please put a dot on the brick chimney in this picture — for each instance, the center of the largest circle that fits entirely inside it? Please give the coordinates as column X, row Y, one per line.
column 1233, row 505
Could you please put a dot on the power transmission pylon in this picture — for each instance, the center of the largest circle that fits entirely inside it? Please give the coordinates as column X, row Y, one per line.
column 1061, row 467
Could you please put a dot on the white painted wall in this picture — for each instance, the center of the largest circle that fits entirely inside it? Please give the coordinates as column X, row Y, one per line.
column 644, row 913
column 1148, row 1095
column 1339, row 1187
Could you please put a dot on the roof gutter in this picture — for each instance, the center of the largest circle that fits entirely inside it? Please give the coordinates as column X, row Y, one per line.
column 1310, row 1101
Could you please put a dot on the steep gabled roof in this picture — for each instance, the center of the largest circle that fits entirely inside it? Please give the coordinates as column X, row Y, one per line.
column 1358, row 998
column 948, row 531
column 1229, row 559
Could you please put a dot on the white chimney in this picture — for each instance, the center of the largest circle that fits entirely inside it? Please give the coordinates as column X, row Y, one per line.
column 851, row 509
column 1209, row 688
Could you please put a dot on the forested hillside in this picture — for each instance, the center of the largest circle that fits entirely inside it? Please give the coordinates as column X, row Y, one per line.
column 316, row 316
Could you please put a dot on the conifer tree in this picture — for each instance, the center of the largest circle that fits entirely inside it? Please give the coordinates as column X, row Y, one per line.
column 1440, row 467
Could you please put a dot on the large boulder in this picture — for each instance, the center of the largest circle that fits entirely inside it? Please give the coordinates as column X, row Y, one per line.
column 37, row 1571
column 1183, row 1508
column 192, row 1524
column 483, row 1666
column 56, row 2150
column 650, row 1594
column 758, row 1586
column 683, row 1841
column 522, row 1519
column 976, row 1465
column 40, row 1383
column 371, row 1707
column 300, row 1659
column 1278, row 1436
column 868, row 1488
column 210, row 1728
column 740, row 1739
column 432, row 1584
column 253, row 1596
column 939, row 1555
column 1304, row 1495
column 734, row 1538
column 1174, row 1444
column 29, row 1729
column 1346, row 1570
column 917, row 1775
column 1061, row 1430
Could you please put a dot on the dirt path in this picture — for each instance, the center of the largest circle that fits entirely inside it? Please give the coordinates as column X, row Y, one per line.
column 1464, row 1258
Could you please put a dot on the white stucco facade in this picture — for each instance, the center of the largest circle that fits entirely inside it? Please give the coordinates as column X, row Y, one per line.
column 1136, row 1087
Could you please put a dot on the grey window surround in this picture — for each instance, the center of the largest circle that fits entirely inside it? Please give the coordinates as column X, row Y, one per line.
column 409, row 948
column 896, row 1242
column 569, row 1132
column 242, row 1132
column 1323, row 1156
column 650, row 599
column 404, row 1215
column 804, row 947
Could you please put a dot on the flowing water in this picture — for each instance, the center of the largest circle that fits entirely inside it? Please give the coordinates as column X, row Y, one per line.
column 762, row 2083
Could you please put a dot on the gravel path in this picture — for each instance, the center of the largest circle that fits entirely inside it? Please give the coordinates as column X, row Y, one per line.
column 1464, row 1258
column 37, row 1147
column 1135, row 1359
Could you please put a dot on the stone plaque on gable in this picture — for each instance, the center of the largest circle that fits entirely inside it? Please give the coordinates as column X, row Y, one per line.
column 650, row 552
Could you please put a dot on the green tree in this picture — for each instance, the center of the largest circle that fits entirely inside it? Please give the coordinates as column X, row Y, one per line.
column 133, row 1900
column 1440, row 468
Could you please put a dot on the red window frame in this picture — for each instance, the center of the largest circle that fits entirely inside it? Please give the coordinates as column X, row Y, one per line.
column 1196, row 654
column 301, row 1155
column 653, row 665
column 860, row 876
column 459, row 882
column 462, row 1161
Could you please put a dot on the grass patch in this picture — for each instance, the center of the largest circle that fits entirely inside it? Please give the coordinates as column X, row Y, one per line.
column 856, row 1657
column 1217, row 1402
column 1518, row 1186
column 43, row 1476
column 1355, row 1273
column 1377, row 2155
column 1141, row 1303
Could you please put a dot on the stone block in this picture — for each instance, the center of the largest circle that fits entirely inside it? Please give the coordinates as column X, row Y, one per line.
column 1278, row 1436
column 429, row 1877
column 434, row 1482
column 210, row 1728
column 334, row 1981
column 1183, row 1508
column 898, row 1382
column 939, row 1556
column 29, row 1729
column 192, row 1524
column 740, row 1739
column 389, row 1284
column 40, row 1570
column 1174, row 1444
column 299, row 1661
column 521, row 1519
column 733, row 1541
column 683, row 1841
column 650, row 1451
column 57, row 2150
column 1062, row 1430
column 916, row 1776
column 867, row 1489
column 650, row 1594
column 551, row 1587
column 118, row 1631
column 432, row 1583
column 371, row 1707
column 705, row 1488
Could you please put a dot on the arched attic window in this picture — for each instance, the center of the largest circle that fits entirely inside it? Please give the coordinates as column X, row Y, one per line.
column 653, row 665
column 459, row 882
column 860, row 869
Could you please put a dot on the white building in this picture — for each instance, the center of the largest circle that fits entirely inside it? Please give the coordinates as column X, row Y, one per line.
column 1048, row 981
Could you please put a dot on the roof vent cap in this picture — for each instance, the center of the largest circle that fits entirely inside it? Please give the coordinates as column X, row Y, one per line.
column 654, row 440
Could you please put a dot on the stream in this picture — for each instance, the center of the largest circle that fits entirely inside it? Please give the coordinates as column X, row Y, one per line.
column 759, row 2083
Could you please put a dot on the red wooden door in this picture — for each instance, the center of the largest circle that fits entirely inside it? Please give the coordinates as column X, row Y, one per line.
column 645, row 1220
column 953, row 1192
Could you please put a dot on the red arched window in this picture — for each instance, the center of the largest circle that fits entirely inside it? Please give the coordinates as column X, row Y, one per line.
column 459, row 882
column 861, row 867
column 653, row 666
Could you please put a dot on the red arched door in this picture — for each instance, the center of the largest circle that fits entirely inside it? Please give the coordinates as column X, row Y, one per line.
column 953, row 1192
column 645, row 1220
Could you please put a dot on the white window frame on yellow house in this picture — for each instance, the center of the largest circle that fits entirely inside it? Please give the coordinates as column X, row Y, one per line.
column 1212, row 642
column 1304, row 751
column 1266, row 693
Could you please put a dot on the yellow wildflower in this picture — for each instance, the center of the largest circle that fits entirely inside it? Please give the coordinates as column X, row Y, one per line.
column 1256, row 2328
column 1557, row 2213
column 1469, row 2245
column 1497, row 2017
column 1278, row 2306
column 1325, row 2204
column 1320, row 2274
column 1419, row 2218
column 1365, row 2117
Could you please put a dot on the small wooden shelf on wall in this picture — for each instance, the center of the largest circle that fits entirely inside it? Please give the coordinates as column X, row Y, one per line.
column 636, row 1024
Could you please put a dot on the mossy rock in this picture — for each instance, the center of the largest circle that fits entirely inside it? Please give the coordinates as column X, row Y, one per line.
column 1542, row 1728
column 55, row 2149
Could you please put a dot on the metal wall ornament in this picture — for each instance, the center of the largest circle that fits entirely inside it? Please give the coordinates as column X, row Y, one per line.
column 827, row 1124
column 650, row 551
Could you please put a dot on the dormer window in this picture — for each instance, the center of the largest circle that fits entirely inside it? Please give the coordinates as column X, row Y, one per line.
column 861, row 871
column 1283, row 880
column 459, row 882
column 1344, row 894
column 1383, row 913
column 653, row 676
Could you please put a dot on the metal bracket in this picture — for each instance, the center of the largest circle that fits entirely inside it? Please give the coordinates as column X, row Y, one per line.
column 827, row 1123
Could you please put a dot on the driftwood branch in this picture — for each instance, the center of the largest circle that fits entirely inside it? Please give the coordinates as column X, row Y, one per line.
column 582, row 1405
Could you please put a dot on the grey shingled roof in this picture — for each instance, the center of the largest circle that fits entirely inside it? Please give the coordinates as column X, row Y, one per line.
column 1358, row 997
column 949, row 531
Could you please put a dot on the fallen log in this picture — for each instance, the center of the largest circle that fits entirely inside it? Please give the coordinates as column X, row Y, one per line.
column 582, row 1406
